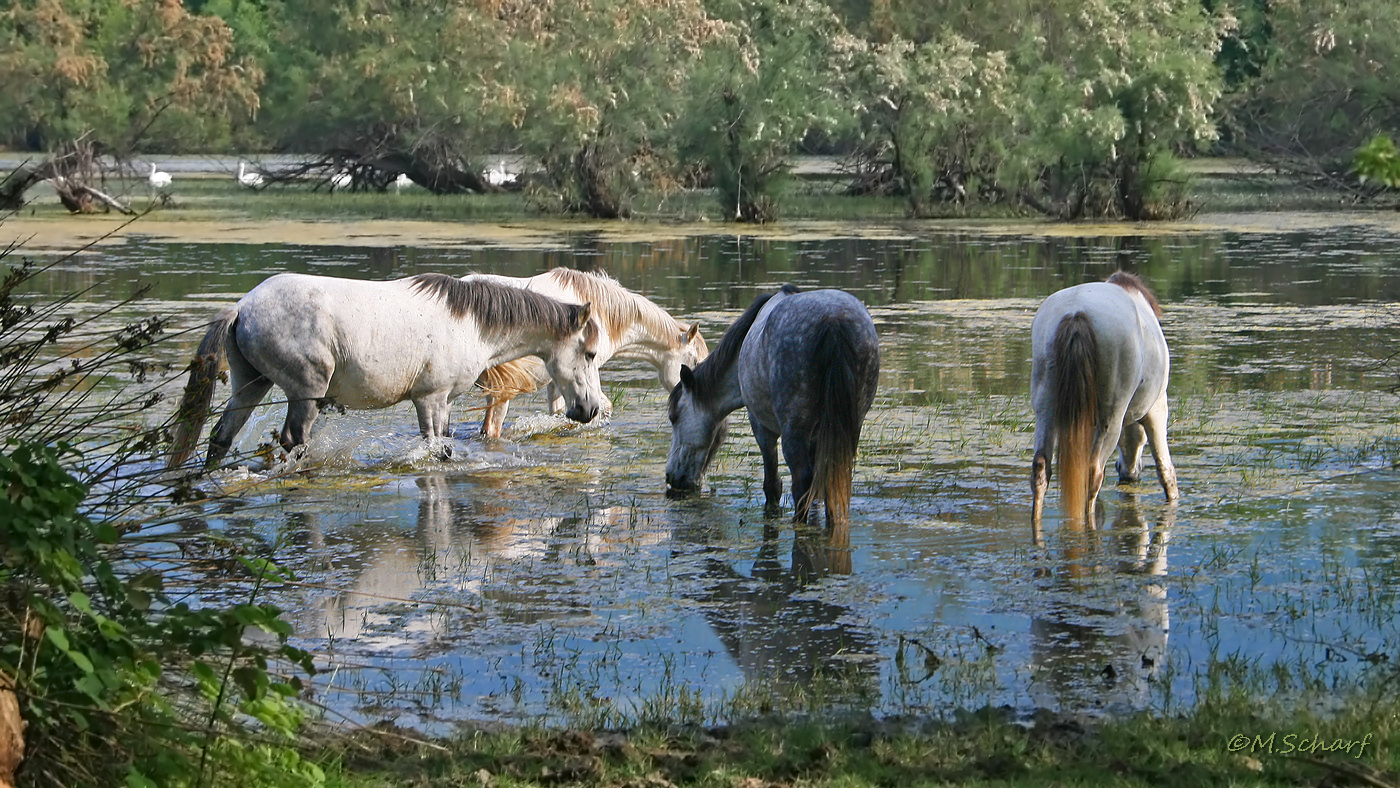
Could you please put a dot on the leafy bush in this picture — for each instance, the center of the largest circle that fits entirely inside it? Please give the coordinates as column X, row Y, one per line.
column 119, row 682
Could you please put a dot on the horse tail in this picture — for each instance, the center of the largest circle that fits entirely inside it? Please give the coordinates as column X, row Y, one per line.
column 835, row 434
column 199, row 390
column 1074, row 355
column 513, row 378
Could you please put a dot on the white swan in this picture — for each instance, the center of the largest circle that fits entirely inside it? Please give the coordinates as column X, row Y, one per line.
column 497, row 175
column 158, row 179
column 249, row 179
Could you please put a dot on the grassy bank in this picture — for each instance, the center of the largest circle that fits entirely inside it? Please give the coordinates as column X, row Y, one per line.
column 219, row 197
column 1218, row 744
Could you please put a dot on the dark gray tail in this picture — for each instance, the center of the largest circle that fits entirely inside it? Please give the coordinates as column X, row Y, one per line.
column 1076, row 395
column 199, row 391
column 841, row 409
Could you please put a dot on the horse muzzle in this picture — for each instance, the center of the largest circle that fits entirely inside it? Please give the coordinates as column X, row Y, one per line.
column 679, row 486
column 581, row 414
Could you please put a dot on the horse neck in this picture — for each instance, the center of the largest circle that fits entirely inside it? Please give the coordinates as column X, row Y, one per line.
column 723, row 393
column 650, row 338
column 524, row 341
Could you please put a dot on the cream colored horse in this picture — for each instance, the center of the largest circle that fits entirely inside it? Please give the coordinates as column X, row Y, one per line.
column 633, row 328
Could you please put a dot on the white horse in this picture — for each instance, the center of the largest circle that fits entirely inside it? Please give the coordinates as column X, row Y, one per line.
column 633, row 328
column 1098, row 380
column 366, row 345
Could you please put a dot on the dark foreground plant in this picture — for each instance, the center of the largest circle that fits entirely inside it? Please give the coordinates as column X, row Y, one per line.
column 119, row 679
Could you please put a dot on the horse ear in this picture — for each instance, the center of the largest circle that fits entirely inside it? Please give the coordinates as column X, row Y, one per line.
column 687, row 377
column 693, row 332
column 581, row 316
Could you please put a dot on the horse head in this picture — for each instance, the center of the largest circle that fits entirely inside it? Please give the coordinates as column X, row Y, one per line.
column 696, row 434
column 573, row 364
column 687, row 350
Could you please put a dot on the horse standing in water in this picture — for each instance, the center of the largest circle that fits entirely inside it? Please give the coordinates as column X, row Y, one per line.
column 633, row 328
column 806, row 366
column 369, row 345
column 1098, row 379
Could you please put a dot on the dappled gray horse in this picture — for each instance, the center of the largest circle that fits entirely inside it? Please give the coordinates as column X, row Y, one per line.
column 374, row 344
column 806, row 366
column 1098, row 379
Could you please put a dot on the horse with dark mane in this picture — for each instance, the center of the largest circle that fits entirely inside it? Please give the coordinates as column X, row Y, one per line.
column 805, row 365
column 368, row 345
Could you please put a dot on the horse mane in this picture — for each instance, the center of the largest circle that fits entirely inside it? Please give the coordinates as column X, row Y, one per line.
column 497, row 308
column 1131, row 282
column 616, row 306
column 709, row 371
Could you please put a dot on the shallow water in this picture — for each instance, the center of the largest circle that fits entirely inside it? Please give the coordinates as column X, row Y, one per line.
column 547, row 574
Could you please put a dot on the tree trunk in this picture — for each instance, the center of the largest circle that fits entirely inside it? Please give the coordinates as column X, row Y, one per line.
column 11, row 732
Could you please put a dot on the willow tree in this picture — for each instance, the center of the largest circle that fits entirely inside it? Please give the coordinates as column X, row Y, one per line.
column 939, row 115
column 1324, row 85
column 776, row 75
column 132, row 73
column 600, row 85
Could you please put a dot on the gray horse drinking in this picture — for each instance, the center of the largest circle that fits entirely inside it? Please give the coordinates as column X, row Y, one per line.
column 806, row 365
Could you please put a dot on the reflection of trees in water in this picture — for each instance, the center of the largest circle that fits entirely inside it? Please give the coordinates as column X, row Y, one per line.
column 1074, row 656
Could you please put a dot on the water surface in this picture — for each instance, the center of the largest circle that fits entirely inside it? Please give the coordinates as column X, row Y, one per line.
column 547, row 574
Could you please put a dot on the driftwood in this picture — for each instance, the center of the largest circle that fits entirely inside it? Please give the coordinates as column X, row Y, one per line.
column 71, row 171
column 11, row 732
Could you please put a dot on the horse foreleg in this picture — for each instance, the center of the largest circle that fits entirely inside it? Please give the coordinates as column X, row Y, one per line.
column 495, row 418
column 1129, row 465
column 434, row 419
column 1155, row 423
column 246, row 396
column 772, row 482
column 1040, row 473
column 799, row 462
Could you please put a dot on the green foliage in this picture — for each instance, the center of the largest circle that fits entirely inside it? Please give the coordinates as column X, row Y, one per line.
column 942, row 111
column 1379, row 160
column 116, row 681
column 131, row 72
column 1324, row 84
column 774, row 77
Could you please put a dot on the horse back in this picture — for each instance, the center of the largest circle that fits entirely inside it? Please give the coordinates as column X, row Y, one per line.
column 799, row 338
column 371, row 340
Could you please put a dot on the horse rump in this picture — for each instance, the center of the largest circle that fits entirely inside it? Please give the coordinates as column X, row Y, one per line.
column 1074, row 355
column 842, row 401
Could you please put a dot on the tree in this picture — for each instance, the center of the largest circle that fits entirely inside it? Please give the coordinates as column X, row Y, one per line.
column 130, row 73
column 776, row 75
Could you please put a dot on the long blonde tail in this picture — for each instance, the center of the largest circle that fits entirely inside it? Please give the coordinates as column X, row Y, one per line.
column 199, row 390
column 1075, row 354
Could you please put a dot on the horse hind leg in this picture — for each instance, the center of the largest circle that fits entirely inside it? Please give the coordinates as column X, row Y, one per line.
column 1040, row 474
column 799, row 461
column 301, row 415
column 1155, row 424
column 246, row 396
column 1130, row 446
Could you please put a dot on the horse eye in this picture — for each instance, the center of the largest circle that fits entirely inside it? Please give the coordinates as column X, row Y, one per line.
column 592, row 354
